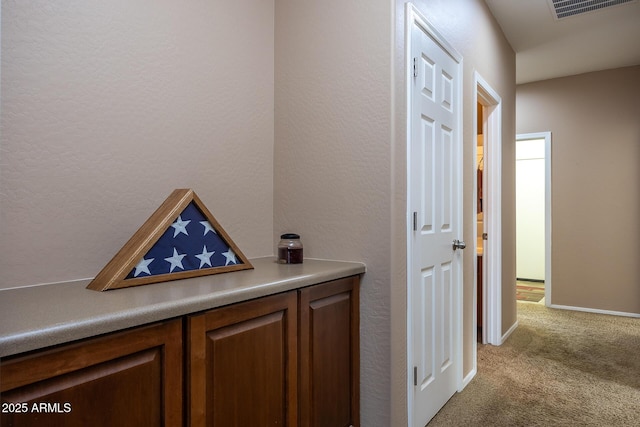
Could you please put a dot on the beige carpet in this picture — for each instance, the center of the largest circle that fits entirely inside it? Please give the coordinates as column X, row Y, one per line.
column 558, row 368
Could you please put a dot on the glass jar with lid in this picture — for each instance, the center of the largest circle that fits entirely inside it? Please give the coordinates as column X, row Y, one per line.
column 290, row 249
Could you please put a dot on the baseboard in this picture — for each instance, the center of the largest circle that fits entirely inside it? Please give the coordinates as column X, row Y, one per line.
column 521, row 279
column 466, row 380
column 509, row 332
column 594, row 310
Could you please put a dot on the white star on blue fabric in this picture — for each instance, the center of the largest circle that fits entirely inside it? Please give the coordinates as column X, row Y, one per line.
column 143, row 267
column 205, row 257
column 180, row 226
column 207, row 227
column 175, row 260
column 230, row 256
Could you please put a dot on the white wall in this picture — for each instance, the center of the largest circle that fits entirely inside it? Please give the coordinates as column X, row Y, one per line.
column 530, row 209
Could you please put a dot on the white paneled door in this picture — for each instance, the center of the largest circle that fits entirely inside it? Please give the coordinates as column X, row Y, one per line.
column 435, row 212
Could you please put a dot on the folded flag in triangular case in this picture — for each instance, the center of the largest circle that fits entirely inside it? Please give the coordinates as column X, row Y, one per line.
column 181, row 239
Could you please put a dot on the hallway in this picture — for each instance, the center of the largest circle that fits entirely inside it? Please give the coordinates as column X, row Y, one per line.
column 557, row 368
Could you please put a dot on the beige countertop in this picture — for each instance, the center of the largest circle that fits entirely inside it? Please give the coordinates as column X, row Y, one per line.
column 41, row 316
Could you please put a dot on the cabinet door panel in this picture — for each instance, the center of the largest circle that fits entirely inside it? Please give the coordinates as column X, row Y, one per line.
column 130, row 378
column 329, row 354
column 243, row 365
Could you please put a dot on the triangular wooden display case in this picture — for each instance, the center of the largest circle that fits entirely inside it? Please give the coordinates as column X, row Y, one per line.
column 117, row 273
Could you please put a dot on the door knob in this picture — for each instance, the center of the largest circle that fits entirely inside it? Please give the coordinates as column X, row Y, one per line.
column 459, row 244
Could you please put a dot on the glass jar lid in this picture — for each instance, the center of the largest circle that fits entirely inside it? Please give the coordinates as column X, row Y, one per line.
column 290, row 236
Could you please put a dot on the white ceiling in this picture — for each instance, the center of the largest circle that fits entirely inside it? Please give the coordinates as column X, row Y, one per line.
column 547, row 48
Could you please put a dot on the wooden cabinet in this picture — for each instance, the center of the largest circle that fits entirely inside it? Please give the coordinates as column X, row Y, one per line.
column 290, row 359
column 242, row 365
column 131, row 378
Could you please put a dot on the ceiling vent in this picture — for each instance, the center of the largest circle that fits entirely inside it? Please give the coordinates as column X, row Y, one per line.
column 566, row 8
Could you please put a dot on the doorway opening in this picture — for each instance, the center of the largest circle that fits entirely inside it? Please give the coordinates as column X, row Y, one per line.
column 533, row 217
column 480, row 233
column 487, row 216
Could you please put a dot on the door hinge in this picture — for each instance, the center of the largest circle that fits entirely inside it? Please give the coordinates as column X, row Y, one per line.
column 415, row 221
column 485, row 236
column 415, row 375
column 415, row 67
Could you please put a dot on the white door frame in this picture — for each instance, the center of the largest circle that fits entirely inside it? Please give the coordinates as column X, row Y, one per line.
column 547, row 207
column 485, row 95
column 414, row 17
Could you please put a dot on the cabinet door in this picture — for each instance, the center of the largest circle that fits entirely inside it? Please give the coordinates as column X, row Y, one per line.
column 243, row 365
column 131, row 378
column 329, row 354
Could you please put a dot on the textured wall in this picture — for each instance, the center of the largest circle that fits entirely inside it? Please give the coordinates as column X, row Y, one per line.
column 595, row 133
column 109, row 106
column 332, row 166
